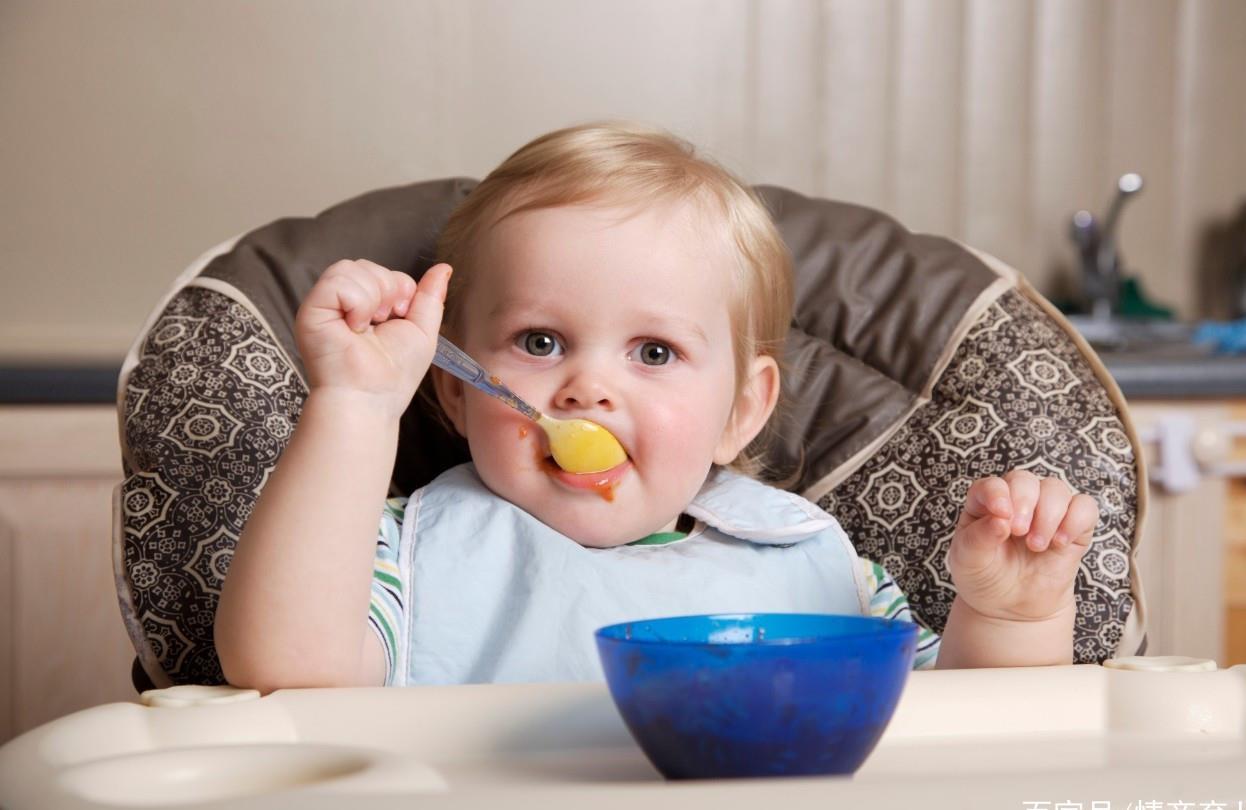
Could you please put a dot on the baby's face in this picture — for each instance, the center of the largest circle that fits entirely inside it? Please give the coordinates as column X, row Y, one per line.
column 615, row 315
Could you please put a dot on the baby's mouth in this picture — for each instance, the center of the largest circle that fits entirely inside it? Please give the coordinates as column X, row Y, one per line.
column 603, row 483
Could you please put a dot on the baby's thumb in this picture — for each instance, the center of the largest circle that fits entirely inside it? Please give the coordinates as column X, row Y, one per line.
column 429, row 299
column 980, row 539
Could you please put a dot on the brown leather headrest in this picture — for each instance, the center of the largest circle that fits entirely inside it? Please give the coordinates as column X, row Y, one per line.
column 875, row 309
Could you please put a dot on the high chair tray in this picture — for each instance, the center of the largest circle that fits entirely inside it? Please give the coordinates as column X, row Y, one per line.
column 1074, row 737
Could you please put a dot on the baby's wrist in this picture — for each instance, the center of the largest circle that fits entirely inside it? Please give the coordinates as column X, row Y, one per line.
column 1005, row 618
column 981, row 639
column 357, row 404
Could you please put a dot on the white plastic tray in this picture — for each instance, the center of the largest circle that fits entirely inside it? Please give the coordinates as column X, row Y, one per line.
column 1019, row 739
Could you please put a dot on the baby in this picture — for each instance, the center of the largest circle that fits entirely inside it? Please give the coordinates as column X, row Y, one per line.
column 607, row 273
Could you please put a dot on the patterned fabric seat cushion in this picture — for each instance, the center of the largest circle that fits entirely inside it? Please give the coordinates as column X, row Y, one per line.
column 1017, row 394
column 208, row 410
column 915, row 366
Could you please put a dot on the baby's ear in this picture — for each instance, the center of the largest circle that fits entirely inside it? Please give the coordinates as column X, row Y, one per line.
column 450, row 396
column 753, row 407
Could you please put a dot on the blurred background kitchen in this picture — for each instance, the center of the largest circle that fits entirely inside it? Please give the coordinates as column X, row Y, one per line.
column 1098, row 147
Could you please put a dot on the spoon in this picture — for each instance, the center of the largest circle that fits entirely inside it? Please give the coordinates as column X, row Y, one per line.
column 578, row 445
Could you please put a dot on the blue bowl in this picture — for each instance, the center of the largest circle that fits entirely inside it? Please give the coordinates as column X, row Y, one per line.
column 763, row 694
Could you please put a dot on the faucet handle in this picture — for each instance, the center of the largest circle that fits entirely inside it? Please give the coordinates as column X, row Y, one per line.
column 1084, row 231
column 1128, row 185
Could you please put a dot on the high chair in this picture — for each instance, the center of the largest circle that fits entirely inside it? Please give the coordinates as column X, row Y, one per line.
column 915, row 365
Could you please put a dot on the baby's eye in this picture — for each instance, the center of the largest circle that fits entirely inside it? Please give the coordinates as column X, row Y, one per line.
column 538, row 344
column 652, row 353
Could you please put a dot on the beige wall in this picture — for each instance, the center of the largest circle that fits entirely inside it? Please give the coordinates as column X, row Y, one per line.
column 137, row 133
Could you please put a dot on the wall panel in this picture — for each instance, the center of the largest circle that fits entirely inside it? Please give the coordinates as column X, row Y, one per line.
column 858, row 87
column 996, row 197
column 1211, row 138
column 787, row 146
column 139, row 133
column 928, row 102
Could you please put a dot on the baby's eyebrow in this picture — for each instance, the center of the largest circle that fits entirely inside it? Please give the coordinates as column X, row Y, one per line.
column 509, row 306
column 691, row 328
column 663, row 323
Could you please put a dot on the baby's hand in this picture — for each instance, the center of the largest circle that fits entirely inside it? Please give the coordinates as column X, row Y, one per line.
column 369, row 330
column 1018, row 544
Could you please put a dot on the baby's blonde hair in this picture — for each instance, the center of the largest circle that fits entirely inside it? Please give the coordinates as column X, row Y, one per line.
column 626, row 163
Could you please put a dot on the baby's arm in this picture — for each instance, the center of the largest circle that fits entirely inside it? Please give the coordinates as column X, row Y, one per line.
column 293, row 610
column 1013, row 561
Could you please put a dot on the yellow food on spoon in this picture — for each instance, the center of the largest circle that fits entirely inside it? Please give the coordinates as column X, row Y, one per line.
column 580, row 446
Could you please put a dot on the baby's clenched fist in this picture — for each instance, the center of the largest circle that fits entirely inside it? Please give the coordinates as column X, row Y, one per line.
column 366, row 329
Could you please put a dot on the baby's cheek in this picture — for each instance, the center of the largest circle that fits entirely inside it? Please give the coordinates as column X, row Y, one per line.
column 678, row 432
column 502, row 443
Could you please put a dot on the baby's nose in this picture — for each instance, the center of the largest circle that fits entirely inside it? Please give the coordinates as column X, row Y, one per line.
column 583, row 391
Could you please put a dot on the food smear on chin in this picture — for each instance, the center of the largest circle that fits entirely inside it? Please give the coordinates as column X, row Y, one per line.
column 603, row 484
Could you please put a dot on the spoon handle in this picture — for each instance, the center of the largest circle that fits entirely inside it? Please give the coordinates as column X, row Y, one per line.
column 454, row 360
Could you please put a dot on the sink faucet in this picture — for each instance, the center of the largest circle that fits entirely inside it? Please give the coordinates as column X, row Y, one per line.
column 1098, row 252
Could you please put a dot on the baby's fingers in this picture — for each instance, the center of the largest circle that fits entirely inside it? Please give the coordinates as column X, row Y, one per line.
column 1025, row 487
column 1054, row 499
column 355, row 301
column 347, row 291
column 403, row 295
column 985, row 524
column 1079, row 524
column 394, row 288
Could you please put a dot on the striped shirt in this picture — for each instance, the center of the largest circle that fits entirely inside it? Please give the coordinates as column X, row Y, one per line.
column 388, row 604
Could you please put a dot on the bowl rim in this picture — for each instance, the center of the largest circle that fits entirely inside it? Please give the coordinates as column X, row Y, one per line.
column 877, row 626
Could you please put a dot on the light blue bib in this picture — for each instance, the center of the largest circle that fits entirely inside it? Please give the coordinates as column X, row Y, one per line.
column 495, row 596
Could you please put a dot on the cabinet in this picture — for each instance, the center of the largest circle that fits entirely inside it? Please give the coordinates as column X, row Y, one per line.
column 62, row 643
column 1235, row 553
column 1193, row 553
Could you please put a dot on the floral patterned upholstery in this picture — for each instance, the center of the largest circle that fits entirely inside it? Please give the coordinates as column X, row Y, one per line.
column 207, row 412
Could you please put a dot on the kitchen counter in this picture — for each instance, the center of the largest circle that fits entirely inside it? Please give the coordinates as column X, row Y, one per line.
column 62, row 384
column 1158, row 376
